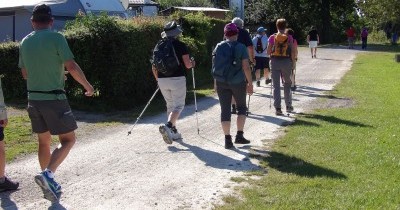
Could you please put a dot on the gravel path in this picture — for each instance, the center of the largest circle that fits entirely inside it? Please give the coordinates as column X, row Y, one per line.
column 109, row 170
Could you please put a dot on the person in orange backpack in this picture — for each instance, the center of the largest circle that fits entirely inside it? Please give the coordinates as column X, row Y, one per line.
column 282, row 56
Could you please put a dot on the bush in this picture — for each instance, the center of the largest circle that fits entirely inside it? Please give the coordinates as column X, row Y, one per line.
column 13, row 84
column 114, row 55
column 377, row 37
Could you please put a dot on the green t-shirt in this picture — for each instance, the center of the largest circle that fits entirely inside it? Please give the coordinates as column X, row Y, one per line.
column 43, row 53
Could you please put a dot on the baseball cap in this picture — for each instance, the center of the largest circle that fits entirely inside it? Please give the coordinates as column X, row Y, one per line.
column 230, row 29
column 41, row 13
column 260, row 29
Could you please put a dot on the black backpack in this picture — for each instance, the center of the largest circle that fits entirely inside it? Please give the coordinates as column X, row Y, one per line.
column 164, row 57
column 259, row 47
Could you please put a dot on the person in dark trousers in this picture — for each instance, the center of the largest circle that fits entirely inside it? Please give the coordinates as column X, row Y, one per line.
column 261, row 57
column 364, row 38
column 173, row 87
column 313, row 41
column 244, row 38
column 237, row 87
column 5, row 182
column 43, row 55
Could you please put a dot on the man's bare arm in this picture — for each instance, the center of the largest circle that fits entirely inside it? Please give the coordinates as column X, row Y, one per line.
column 76, row 72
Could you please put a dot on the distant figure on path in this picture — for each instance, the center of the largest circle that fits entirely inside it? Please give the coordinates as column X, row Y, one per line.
column 364, row 37
column 351, row 34
column 313, row 41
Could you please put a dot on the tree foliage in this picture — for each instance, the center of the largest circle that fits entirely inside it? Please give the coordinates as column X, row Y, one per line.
column 330, row 17
column 378, row 12
column 186, row 3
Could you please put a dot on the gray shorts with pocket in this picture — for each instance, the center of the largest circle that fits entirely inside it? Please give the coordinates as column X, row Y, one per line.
column 53, row 115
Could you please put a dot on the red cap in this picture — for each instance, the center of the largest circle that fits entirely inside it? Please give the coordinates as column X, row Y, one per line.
column 230, row 29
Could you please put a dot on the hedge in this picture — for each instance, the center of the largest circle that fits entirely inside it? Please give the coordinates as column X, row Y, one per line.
column 114, row 55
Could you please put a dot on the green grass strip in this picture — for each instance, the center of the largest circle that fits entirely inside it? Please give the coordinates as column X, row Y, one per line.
column 339, row 158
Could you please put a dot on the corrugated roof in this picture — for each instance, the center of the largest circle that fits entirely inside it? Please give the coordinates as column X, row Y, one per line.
column 4, row 4
column 205, row 9
column 145, row 2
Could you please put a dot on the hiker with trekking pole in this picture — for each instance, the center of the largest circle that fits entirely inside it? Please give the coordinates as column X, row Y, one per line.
column 170, row 58
column 282, row 57
column 232, row 75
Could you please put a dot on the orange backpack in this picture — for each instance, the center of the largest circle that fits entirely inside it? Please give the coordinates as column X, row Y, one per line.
column 282, row 47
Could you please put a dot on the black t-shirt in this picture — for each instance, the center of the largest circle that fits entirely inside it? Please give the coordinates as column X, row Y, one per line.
column 180, row 49
column 313, row 35
column 244, row 37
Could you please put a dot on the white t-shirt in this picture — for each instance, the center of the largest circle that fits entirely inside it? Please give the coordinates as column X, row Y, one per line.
column 264, row 41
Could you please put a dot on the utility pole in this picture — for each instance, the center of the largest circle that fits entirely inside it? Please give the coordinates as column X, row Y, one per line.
column 238, row 7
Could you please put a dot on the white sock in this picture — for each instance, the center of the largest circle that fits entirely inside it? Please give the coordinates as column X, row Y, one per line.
column 50, row 173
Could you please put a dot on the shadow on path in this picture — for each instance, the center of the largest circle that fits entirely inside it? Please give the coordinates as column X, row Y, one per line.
column 6, row 202
column 217, row 160
column 293, row 165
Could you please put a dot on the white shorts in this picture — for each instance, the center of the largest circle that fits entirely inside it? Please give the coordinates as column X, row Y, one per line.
column 313, row 44
column 174, row 91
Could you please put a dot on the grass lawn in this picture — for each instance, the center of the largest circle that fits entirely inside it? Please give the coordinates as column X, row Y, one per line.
column 341, row 158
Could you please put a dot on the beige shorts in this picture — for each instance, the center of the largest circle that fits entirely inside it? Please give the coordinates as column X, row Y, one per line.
column 174, row 91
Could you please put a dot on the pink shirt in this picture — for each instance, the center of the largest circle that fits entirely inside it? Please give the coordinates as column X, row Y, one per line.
column 271, row 39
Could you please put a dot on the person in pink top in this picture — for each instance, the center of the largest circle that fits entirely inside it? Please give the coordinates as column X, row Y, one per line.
column 290, row 32
column 364, row 37
column 282, row 56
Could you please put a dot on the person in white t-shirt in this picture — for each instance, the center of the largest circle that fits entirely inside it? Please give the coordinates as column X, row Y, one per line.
column 260, row 45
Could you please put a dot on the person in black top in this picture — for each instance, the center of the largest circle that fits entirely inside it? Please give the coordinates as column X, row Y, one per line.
column 244, row 38
column 313, row 41
column 173, row 87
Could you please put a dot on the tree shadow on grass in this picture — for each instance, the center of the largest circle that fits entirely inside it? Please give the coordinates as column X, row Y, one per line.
column 333, row 120
column 293, row 165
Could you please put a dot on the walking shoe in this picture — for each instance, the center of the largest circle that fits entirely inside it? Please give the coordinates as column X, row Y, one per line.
column 166, row 133
column 241, row 140
column 8, row 185
column 175, row 134
column 233, row 109
column 267, row 81
column 51, row 189
column 289, row 108
column 228, row 143
column 278, row 111
column 258, row 83
column 293, row 88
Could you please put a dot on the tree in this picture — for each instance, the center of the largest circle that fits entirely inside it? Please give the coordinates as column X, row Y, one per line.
column 380, row 11
column 329, row 16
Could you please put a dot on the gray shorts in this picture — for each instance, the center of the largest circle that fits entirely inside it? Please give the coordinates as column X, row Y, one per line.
column 53, row 115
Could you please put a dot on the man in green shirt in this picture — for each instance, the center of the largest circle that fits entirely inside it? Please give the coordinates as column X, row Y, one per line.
column 43, row 55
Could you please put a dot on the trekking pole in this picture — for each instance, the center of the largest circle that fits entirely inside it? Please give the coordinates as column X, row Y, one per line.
column 154, row 94
column 195, row 99
column 270, row 98
column 248, row 107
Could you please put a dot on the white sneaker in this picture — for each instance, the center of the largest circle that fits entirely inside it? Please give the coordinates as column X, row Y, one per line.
column 166, row 133
column 176, row 135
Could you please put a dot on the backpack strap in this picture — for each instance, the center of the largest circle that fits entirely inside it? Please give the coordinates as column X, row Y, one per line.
column 173, row 49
